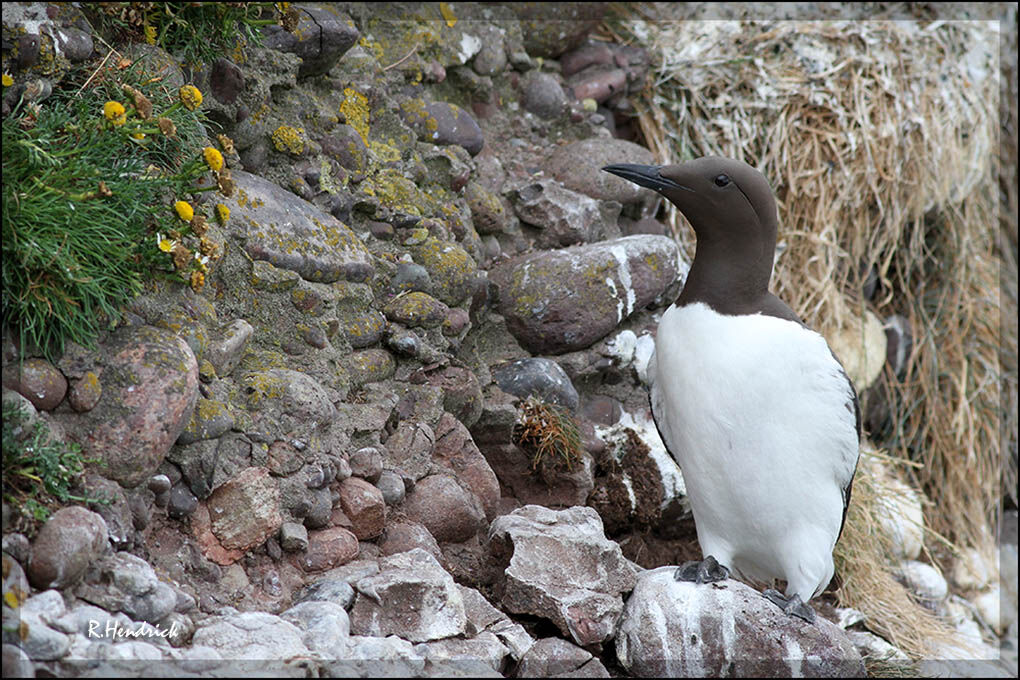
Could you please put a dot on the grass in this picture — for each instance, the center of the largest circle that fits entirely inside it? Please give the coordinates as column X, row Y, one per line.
column 40, row 472
column 548, row 433
column 88, row 179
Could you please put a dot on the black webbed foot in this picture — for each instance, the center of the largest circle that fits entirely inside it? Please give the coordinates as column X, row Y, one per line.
column 705, row 571
column 794, row 606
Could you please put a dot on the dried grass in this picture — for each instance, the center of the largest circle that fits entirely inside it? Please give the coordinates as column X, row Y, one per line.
column 881, row 140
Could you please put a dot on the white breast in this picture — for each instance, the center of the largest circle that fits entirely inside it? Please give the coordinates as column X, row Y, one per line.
column 754, row 408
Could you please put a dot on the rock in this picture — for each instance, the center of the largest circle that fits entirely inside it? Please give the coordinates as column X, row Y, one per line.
column 17, row 663
column 899, row 512
column 448, row 511
column 391, row 485
column 126, row 583
column 209, row 420
column 482, row 616
column 590, row 54
column 245, row 511
column 251, row 636
column 672, row 628
column 150, row 386
column 226, row 82
column 328, row 590
column 450, row 267
column 411, row 596
column 557, row 658
column 37, row 639
column 409, row 277
column 365, row 506
column 70, row 540
column 181, row 502
column 367, row 463
column 542, row 95
column 456, row 451
column 564, row 217
column 549, row 32
column 480, row 656
column 364, row 330
column 323, row 34
column 325, row 626
column 291, row 234
column 416, row 309
column 491, row 58
column 543, row 378
column 377, row 657
column 85, row 392
column 924, row 581
column 565, row 300
column 403, row 536
column 560, row 566
column 293, row 537
column 443, row 124
column 600, row 85
column 38, row 380
column 462, row 395
column 320, row 512
column 227, row 345
column 329, row 548
column 488, row 214
column 370, row 365
column 578, row 167
column 116, row 512
column 410, row 448
column 346, row 146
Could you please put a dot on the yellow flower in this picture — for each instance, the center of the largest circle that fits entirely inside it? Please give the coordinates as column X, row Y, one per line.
column 163, row 243
column 184, row 210
column 114, row 112
column 222, row 212
column 213, row 158
column 138, row 135
column 150, row 35
column 191, row 97
column 8, row 81
column 197, row 281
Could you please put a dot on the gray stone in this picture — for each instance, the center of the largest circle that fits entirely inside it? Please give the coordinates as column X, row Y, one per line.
column 290, row 233
column 325, row 626
column 560, row 566
column 578, row 166
column 410, row 276
column 542, row 95
column 455, row 450
column 377, row 657
column 124, row 582
column 209, row 420
column 293, row 537
column 671, row 628
column 69, row 541
column 413, row 596
column 402, row 536
column 480, row 656
column 443, row 124
column 367, row 463
column 226, row 347
column 410, row 448
column 451, row 268
column 565, row 300
column 253, row 636
column 392, row 487
column 540, row 377
column 328, row 590
column 16, row 663
column 323, row 34
column 345, row 145
column 564, row 217
column 364, row 330
column 557, row 658
column 416, row 309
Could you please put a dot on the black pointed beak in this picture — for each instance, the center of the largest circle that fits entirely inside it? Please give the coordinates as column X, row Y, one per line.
column 644, row 175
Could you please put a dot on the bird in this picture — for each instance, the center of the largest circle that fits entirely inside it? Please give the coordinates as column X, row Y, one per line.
column 753, row 405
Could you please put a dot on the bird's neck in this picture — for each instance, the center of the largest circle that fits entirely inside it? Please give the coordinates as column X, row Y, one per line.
column 730, row 276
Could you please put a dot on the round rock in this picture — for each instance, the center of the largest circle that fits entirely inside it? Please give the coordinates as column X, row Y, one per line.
column 540, row 377
column 38, row 380
column 451, row 514
column 70, row 540
column 542, row 95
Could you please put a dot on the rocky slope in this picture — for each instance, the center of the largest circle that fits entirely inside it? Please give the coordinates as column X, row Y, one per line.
column 312, row 463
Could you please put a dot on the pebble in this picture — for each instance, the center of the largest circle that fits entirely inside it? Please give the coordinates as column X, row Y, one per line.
column 391, row 486
column 38, row 380
column 367, row 463
column 445, row 508
column 542, row 95
column 293, row 537
column 67, row 544
column 540, row 377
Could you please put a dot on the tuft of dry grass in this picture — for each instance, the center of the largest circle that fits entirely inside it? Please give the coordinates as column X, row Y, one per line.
column 881, row 141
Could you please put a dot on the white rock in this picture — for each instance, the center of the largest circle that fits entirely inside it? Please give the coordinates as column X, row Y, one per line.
column 924, row 580
column 898, row 509
column 975, row 568
column 987, row 606
column 377, row 657
column 252, row 636
column 326, row 626
column 861, row 347
column 875, row 648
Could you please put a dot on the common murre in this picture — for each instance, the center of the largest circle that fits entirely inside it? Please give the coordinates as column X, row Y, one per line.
column 752, row 404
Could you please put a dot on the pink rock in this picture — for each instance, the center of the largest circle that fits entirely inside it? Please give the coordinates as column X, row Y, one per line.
column 364, row 505
column 70, row 540
column 456, row 450
column 245, row 511
column 602, row 86
column 403, row 536
column 37, row 380
column 329, row 548
column 450, row 513
column 201, row 528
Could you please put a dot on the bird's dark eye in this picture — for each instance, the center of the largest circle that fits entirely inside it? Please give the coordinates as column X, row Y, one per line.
column 721, row 180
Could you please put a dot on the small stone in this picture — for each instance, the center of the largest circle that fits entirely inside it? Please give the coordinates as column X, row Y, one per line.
column 159, row 484
column 542, row 95
column 329, row 548
column 364, row 330
column 38, row 380
column 69, row 541
column 85, row 392
column 227, row 345
column 293, row 537
column 365, row 506
column 540, row 377
column 410, row 277
column 403, row 536
column 416, row 309
column 450, row 513
column 391, row 486
column 367, row 463
column 245, row 510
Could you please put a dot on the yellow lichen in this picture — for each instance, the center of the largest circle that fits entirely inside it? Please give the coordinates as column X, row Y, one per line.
column 288, row 139
column 355, row 109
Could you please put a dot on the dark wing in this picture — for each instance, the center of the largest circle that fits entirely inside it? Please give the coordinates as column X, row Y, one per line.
column 854, row 405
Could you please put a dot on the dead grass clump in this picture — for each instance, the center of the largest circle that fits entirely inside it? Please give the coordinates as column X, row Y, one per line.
column 881, row 140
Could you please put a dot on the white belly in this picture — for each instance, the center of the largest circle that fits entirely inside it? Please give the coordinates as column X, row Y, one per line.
column 754, row 408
